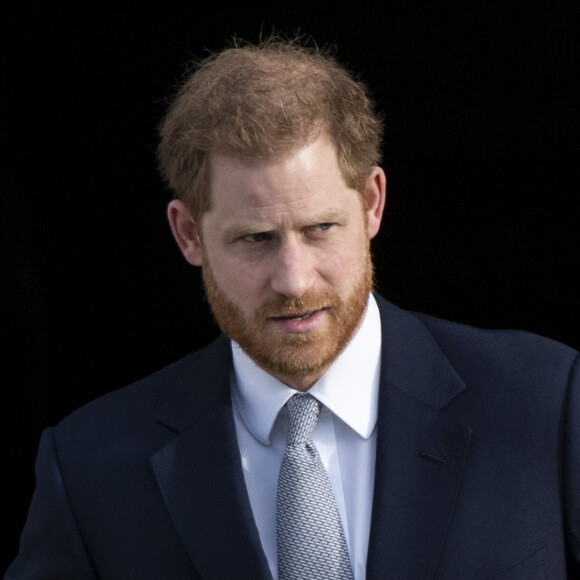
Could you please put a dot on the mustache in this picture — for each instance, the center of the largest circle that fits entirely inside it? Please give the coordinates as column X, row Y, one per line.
column 284, row 307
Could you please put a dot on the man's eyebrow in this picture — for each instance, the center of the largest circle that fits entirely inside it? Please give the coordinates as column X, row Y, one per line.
column 237, row 230
column 245, row 229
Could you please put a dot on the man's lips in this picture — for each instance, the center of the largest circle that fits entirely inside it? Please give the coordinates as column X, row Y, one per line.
column 302, row 316
column 304, row 321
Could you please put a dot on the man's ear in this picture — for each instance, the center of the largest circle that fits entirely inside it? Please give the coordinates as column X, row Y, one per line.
column 375, row 195
column 185, row 231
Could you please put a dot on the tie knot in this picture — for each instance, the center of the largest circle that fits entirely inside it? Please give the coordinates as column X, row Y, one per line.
column 304, row 411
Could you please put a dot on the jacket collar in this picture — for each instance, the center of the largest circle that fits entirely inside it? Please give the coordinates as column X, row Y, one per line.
column 412, row 361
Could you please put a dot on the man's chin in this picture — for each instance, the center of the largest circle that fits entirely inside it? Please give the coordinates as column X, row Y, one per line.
column 299, row 356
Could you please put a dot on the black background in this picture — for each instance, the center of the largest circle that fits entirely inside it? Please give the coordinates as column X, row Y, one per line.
column 481, row 152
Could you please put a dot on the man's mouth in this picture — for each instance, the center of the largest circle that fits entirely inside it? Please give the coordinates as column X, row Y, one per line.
column 299, row 316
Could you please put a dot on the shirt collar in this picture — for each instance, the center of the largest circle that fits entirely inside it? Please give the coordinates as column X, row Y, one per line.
column 349, row 388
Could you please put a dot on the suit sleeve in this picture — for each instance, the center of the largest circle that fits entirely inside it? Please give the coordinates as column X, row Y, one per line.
column 572, row 471
column 51, row 547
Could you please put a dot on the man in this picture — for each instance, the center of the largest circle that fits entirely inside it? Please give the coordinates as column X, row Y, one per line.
column 436, row 450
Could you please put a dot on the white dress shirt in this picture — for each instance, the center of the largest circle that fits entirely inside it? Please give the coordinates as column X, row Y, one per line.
column 345, row 435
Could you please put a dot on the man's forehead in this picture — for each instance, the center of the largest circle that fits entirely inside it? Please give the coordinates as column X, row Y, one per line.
column 231, row 159
column 231, row 156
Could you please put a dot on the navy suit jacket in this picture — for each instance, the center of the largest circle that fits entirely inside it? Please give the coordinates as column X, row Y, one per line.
column 477, row 470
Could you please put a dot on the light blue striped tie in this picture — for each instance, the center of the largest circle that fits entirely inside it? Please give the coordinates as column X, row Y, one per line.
column 311, row 542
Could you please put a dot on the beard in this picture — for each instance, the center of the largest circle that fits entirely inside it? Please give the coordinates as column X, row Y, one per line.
column 295, row 355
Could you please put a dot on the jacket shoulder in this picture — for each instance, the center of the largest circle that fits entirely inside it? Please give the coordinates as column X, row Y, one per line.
column 190, row 381
column 513, row 340
column 516, row 357
column 513, row 355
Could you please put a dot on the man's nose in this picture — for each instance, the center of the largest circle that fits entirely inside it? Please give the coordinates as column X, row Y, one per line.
column 292, row 272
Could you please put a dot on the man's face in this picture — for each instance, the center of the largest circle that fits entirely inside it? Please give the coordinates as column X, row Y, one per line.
column 285, row 256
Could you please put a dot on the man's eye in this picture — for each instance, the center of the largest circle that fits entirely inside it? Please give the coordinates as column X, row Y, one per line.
column 322, row 227
column 258, row 237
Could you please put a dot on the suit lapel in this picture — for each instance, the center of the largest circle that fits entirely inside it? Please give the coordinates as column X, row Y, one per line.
column 420, row 453
column 200, row 474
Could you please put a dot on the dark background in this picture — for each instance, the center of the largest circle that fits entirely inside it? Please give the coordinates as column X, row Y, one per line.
column 481, row 152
